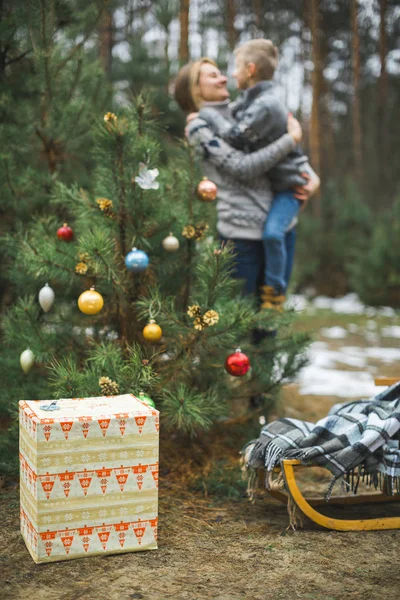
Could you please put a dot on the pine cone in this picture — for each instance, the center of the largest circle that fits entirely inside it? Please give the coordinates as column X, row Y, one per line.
column 198, row 323
column 81, row 268
column 110, row 117
column 211, row 317
column 108, row 387
column 106, row 206
column 189, row 232
column 194, row 310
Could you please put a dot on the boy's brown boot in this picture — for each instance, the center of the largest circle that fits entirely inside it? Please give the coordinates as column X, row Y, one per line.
column 271, row 299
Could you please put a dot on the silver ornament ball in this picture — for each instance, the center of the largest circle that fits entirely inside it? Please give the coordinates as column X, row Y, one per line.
column 27, row 360
column 170, row 243
column 46, row 297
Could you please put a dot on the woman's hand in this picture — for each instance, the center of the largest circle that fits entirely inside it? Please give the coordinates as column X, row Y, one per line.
column 294, row 129
column 191, row 116
column 304, row 192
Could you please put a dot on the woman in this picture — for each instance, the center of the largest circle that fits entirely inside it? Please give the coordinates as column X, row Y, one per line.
column 244, row 192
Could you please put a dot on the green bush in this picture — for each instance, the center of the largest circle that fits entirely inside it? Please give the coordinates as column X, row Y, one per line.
column 375, row 272
column 327, row 247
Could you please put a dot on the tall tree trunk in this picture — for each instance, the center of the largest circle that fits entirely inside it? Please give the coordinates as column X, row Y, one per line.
column 305, row 59
column 355, row 44
column 382, row 51
column 106, row 41
column 316, row 80
column 258, row 14
column 184, row 24
column 382, row 121
column 166, row 58
column 230, row 23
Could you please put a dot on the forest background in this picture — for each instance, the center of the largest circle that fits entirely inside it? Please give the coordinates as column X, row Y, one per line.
column 339, row 73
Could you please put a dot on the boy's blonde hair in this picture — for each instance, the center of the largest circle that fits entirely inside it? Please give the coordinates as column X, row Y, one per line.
column 263, row 54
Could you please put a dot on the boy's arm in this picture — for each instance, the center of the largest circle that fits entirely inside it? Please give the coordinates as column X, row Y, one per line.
column 238, row 164
column 254, row 125
column 219, row 125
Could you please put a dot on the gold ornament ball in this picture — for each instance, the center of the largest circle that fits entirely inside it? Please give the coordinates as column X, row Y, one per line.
column 207, row 190
column 170, row 243
column 90, row 302
column 152, row 332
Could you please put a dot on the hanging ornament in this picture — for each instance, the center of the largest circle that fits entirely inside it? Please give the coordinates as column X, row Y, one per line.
column 46, row 297
column 170, row 243
column 152, row 332
column 90, row 302
column 207, row 190
column 237, row 364
column 147, row 178
column 136, row 260
column 146, row 399
column 65, row 233
column 27, row 360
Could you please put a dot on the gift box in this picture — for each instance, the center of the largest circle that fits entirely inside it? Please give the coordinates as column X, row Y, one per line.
column 89, row 476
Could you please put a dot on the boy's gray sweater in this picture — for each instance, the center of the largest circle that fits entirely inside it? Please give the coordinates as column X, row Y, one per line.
column 244, row 192
column 261, row 118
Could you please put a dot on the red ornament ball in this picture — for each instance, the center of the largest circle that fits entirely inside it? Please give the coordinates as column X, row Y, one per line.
column 207, row 190
column 237, row 364
column 65, row 233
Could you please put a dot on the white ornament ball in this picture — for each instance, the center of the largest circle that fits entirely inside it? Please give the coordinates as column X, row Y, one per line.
column 170, row 243
column 27, row 360
column 46, row 298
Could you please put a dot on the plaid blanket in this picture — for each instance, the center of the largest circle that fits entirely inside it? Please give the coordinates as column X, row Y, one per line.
column 357, row 440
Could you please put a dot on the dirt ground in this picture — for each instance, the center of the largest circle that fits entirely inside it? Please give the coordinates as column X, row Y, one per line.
column 215, row 544
column 213, row 547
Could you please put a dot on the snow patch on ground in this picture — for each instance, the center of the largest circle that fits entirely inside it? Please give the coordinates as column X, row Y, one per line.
column 334, row 333
column 329, row 382
column 393, row 331
column 349, row 305
column 323, row 377
column 326, row 375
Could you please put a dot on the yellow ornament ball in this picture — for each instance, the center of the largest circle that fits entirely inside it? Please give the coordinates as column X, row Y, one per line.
column 152, row 332
column 90, row 302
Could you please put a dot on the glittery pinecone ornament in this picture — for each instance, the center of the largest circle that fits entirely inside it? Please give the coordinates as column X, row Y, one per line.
column 106, row 206
column 108, row 386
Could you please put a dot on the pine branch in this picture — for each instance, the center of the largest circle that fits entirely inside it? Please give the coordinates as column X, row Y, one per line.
column 76, row 77
column 8, row 179
column 87, row 35
column 17, row 58
column 46, row 52
column 47, row 261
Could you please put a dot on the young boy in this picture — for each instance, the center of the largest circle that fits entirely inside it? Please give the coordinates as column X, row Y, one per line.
column 261, row 118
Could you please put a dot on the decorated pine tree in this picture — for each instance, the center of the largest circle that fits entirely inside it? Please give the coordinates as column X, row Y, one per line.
column 52, row 89
column 144, row 301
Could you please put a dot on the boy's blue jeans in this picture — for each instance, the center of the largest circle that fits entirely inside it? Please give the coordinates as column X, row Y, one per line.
column 249, row 262
column 278, row 260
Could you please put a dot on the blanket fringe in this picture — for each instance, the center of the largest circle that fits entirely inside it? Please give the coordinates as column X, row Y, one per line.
column 296, row 519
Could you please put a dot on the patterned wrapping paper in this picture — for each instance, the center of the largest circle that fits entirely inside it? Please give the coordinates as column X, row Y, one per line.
column 89, row 477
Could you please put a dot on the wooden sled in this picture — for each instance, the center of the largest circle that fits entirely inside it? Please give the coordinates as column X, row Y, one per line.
column 308, row 507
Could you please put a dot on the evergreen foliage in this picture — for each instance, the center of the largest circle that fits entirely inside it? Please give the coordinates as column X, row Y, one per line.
column 51, row 89
column 375, row 272
column 190, row 293
column 333, row 248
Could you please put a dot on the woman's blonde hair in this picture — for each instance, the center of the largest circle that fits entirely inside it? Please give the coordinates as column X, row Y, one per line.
column 187, row 88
